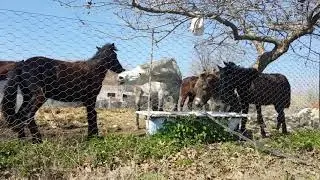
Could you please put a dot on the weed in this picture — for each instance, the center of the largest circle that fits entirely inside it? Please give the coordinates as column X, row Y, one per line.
column 191, row 130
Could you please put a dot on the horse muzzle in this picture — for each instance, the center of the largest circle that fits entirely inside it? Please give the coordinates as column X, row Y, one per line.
column 121, row 80
column 198, row 102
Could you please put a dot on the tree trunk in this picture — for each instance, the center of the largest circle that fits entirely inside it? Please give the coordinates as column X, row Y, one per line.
column 263, row 61
column 268, row 57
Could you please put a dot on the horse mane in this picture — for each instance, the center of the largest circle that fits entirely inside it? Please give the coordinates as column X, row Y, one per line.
column 213, row 72
column 110, row 46
column 232, row 66
column 102, row 50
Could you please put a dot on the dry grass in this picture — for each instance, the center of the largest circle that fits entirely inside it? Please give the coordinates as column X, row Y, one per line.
column 113, row 120
column 212, row 161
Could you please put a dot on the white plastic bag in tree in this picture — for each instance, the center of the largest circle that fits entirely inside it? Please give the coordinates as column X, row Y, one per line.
column 197, row 26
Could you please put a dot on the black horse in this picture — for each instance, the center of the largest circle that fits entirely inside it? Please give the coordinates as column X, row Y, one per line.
column 40, row 78
column 256, row 88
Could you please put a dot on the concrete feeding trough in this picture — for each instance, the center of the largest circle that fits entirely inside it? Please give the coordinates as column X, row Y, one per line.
column 157, row 118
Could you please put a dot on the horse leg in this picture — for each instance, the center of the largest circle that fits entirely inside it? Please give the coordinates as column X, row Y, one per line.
column 160, row 100
column 92, row 119
column 190, row 101
column 20, row 117
column 281, row 119
column 182, row 101
column 154, row 104
column 175, row 99
column 138, row 96
column 260, row 121
column 226, row 107
column 35, row 103
column 245, row 110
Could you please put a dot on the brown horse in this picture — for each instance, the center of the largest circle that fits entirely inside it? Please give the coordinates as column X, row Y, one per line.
column 40, row 78
column 187, row 90
column 207, row 86
column 5, row 67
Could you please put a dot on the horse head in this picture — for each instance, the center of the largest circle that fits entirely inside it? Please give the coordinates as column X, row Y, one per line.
column 132, row 77
column 233, row 76
column 162, row 71
column 106, row 56
column 205, row 87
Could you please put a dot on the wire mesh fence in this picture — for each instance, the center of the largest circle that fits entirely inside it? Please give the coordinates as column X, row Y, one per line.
column 77, row 80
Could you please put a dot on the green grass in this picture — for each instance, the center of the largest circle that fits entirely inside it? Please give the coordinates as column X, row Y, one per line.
column 303, row 140
column 115, row 150
column 112, row 150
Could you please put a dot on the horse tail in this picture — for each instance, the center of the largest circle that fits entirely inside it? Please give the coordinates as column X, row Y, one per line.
column 287, row 105
column 8, row 103
column 287, row 93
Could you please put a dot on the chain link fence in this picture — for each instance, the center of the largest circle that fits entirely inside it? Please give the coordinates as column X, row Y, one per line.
column 24, row 35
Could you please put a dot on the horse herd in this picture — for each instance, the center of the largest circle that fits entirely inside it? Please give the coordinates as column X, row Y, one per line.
column 232, row 87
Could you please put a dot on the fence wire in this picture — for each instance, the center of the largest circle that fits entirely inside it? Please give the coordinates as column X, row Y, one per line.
column 174, row 59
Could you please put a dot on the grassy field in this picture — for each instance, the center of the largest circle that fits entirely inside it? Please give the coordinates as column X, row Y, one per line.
column 123, row 153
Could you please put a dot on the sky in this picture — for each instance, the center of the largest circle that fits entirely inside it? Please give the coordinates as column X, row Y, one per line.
column 43, row 27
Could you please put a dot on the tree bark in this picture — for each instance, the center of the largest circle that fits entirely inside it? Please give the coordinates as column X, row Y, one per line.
column 266, row 58
column 262, row 62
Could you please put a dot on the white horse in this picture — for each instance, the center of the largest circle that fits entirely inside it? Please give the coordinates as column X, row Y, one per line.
column 166, row 80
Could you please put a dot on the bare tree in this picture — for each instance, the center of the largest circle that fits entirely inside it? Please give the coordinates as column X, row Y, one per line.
column 204, row 60
column 207, row 55
column 270, row 27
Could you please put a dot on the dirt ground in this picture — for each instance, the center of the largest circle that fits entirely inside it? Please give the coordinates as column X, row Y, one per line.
column 65, row 122
column 214, row 161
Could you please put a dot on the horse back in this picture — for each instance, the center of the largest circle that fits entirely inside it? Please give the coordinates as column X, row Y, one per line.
column 61, row 80
column 270, row 89
column 188, row 84
column 55, row 68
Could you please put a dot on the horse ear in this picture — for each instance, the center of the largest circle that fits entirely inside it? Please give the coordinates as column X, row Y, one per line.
column 232, row 64
column 113, row 47
column 202, row 75
column 219, row 67
column 98, row 48
column 225, row 63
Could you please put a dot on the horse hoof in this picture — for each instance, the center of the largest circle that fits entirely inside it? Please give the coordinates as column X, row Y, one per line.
column 93, row 133
column 94, row 137
column 248, row 135
column 265, row 135
column 286, row 132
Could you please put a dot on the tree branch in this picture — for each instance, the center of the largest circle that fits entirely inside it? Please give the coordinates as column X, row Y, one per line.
column 153, row 10
column 268, row 57
column 259, row 47
column 213, row 16
column 169, row 32
column 244, row 36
